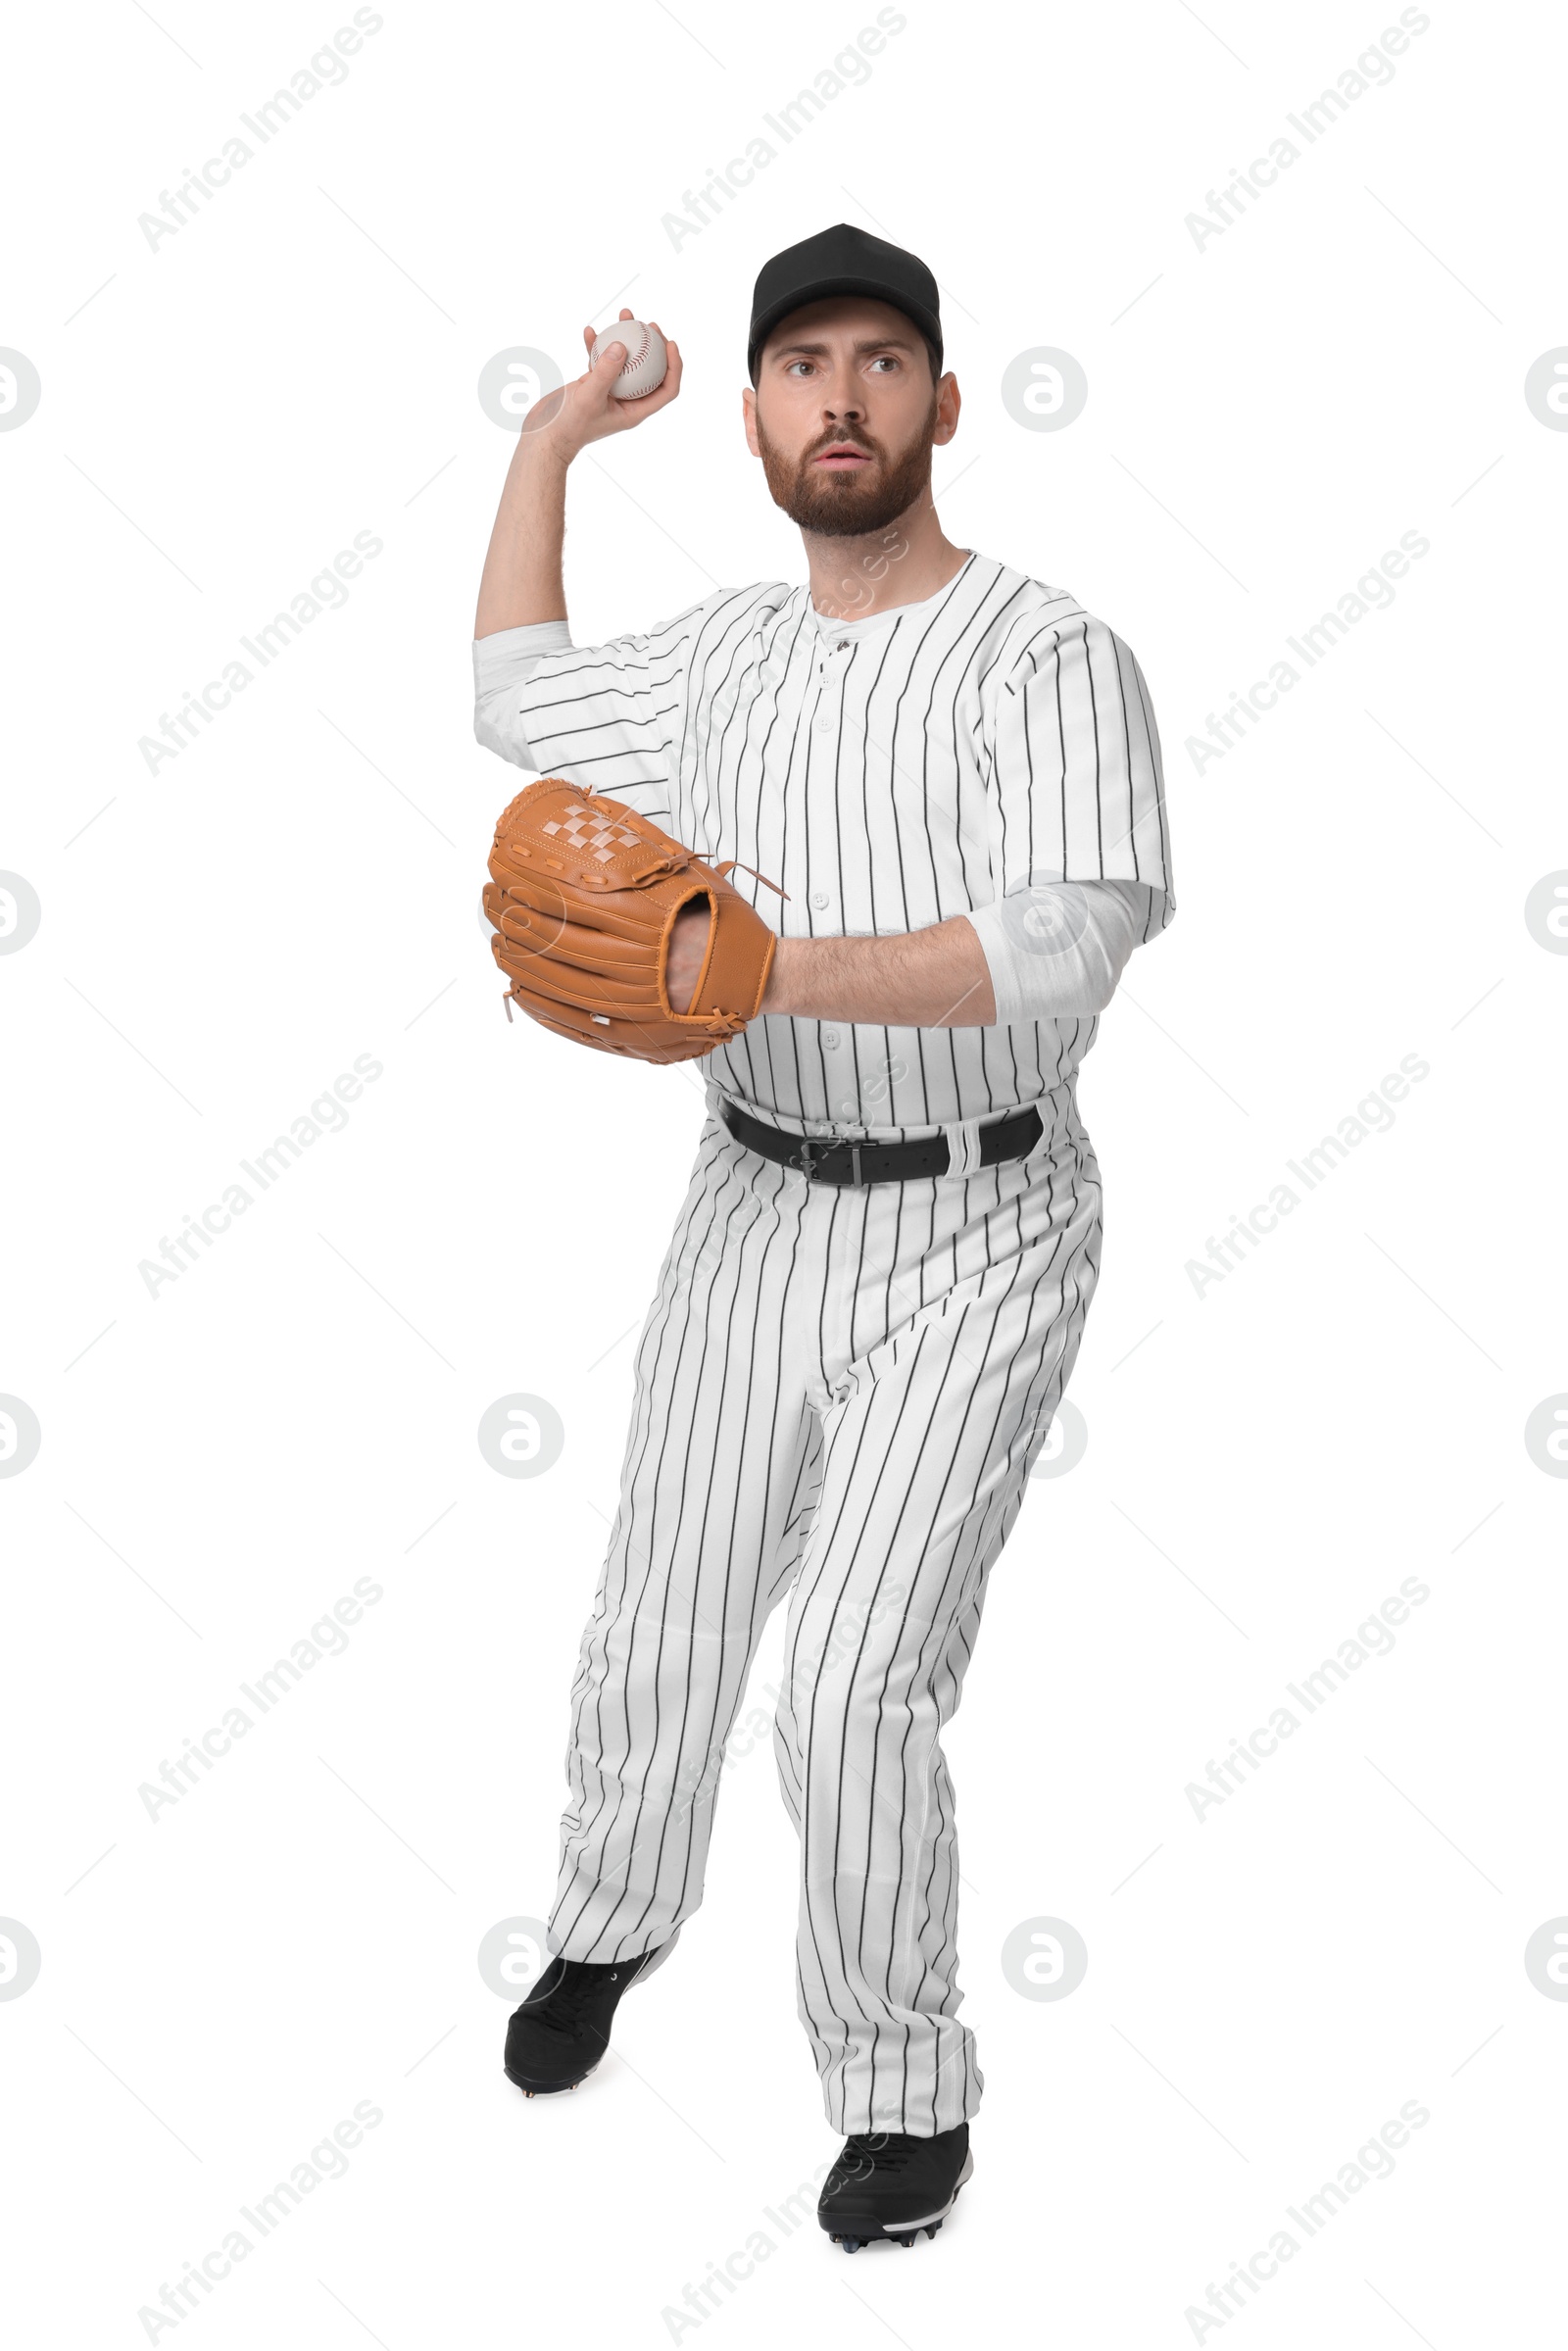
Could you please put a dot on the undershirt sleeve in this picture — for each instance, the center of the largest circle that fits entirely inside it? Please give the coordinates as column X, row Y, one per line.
column 1057, row 949
column 503, row 663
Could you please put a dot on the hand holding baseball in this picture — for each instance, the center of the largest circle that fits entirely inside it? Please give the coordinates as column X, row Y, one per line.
column 640, row 349
column 631, row 372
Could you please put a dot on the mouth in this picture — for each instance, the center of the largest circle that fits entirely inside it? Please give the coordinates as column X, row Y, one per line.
column 841, row 456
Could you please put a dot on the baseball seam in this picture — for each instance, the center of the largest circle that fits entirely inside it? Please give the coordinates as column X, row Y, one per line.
column 633, row 358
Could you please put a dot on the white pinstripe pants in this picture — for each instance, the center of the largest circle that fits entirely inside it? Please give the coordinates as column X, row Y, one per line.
column 839, row 1395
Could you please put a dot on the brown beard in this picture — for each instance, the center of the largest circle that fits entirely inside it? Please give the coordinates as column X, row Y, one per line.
column 853, row 504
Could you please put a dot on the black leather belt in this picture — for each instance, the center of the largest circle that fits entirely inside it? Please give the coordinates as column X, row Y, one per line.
column 860, row 1163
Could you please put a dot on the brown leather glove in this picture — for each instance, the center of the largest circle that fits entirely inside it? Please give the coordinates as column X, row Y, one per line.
column 584, row 895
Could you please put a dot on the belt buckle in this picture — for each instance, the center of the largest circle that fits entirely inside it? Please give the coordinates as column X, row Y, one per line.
column 810, row 1156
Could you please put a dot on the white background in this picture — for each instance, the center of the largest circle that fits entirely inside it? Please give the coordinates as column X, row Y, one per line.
column 1265, row 1463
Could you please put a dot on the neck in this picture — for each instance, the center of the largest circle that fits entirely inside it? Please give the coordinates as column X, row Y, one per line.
column 904, row 563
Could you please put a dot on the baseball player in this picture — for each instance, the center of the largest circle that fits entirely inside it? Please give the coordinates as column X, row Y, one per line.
column 878, row 1281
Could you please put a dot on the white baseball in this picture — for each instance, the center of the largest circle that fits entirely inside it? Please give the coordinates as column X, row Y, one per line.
column 646, row 356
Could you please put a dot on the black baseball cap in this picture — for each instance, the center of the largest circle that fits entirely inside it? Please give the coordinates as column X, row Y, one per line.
column 843, row 261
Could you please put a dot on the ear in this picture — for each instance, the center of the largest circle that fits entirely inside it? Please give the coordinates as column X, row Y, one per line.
column 948, row 407
column 748, row 411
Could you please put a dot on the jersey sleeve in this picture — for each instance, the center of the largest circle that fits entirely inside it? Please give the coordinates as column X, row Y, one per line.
column 608, row 716
column 1076, row 778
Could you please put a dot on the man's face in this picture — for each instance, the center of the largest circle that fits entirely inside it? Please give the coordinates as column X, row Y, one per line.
column 845, row 416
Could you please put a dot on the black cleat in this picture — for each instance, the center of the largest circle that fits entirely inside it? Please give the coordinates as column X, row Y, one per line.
column 886, row 2186
column 561, row 2031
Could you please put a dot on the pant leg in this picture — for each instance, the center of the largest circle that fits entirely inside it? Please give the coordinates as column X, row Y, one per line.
column 719, row 1469
column 966, row 1306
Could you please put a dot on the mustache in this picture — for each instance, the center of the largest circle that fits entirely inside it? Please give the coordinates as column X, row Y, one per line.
column 843, row 440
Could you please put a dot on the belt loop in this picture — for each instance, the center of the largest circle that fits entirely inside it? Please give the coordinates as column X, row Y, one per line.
column 964, row 1147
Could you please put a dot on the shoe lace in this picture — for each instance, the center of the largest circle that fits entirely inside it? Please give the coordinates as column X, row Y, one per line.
column 874, row 2150
column 576, row 1988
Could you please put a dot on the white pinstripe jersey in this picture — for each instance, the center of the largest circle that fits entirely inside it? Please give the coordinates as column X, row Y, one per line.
column 887, row 773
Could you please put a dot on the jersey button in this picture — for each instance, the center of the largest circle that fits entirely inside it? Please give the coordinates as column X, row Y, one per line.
column 820, row 899
column 830, row 1038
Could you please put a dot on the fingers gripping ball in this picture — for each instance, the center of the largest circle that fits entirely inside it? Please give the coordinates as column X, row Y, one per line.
column 645, row 360
column 583, row 896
